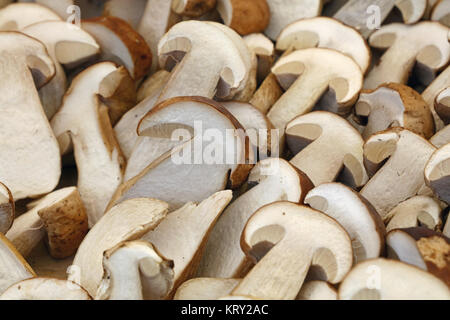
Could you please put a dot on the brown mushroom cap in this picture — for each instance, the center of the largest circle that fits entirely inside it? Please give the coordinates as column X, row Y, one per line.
column 193, row 8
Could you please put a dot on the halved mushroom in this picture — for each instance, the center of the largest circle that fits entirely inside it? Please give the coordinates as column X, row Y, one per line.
column 45, row 289
column 442, row 105
column 153, row 85
column 26, row 133
column 129, row 220
column 441, row 138
column 96, row 94
column 323, row 32
column 264, row 50
column 284, row 12
column 135, row 271
column 193, row 8
column 310, row 135
column 267, row 94
column 433, row 90
column 355, row 214
column 441, row 12
column 424, row 46
column 13, row 265
column 205, row 289
column 412, row 10
column 121, row 43
column 382, row 279
column 130, row 11
column 437, row 173
column 282, row 238
column 270, row 180
column 7, row 210
column 183, row 234
column 394, row 105
column 66, row 44
column 418, row 210
column 395, row 159
column 17, row 16
column 60, row 217
column 317, row 290
column 58, row 6
column 320, row 72
column 423, row 248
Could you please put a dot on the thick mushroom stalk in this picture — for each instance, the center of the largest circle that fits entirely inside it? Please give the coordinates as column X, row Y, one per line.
column 323, row 32
column 270, row 180
column 309, row 135
column 85, row 117
column 355, row 214
column 402, row 156
column 382, row 279
column 394, row 105
column 60, row 217
column 45, row 289
column 318, row 71
column 17, row 16
column 283, row 239
column 66, row 44
column 7, row 210
column 437, row 173
column 191, row 44
column 26, row 133
column 135, row 271
column 425, row 44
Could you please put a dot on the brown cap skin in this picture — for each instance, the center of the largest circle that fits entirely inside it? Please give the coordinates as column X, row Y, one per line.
column 249, row 16
column 196, row 8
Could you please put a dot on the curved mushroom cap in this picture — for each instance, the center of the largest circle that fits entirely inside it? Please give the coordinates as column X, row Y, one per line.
column 317, row 290
column 270, row 180
column 190, row 44
column 423, row 248
column 283, row 238
column 13, row 265
column 7, row 210
column 126, row 221
column 245, row 17
column 284, row 12
column 205, row 289
column 324, row 32
column 402, row 156
column 60, row 6
column 437, row 173
column 264, row 49
column 394, row 105
column 45, row 289
column 355, row 214
column 425, row 43
column 418, row 210
column 441, row 12
column 318, row 70
column 26, row 133
column 412, row 10
column 309, row 135
column 17, row 16
column 135, row 271
column 193, row 8
column 382, row 279
column 121, row 43
column 442, row 105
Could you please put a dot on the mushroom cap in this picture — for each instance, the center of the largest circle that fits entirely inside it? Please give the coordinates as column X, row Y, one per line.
column 412, row 10
column 259, row 44
column 60, row 7
column 245, row 17
column 7, row 209
column 324, row 32
column 17, row 16
column 193, row 8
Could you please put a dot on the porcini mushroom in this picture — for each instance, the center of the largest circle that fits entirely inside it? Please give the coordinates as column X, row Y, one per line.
column 282, row 239
column 264, row 50
column 317, row 290
column 394, row 105
column 194, row 289
column 270, row 180
column 318, row 70
column 59, row 216
column 383, row 279
column 395, row 159
column 441, row 12
column 432, row 91
column 61, row 7
column 436, row 173
column 267, row 94
column 7, row 212
column 412, row 10
column 309, row 135
column 442, row 105
column 152, row 85
column 193, row 8
column 130, row 11
column 17, row 16
column 425, row 44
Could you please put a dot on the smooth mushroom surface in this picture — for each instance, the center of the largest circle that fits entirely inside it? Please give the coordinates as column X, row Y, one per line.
column 441, row 12
column 264, row 49
column 442, row 105
column 193, row 8
column 61, row 7
column 436, row 173
column 17, row 16
column 130, row 11
column 7, row 209
column 412, row 10
column 317, row 290
column 432, row 91
column 194, row 289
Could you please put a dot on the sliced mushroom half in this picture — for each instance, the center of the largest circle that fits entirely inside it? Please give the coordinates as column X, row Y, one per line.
column 7, row 210
column 17, row 16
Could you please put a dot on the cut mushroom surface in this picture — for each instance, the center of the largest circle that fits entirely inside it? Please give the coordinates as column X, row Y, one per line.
column 437, row 173
column 17, row 16
column 442, row 105
column 205, row 289
column 382, row 279
column 264, row 49
column 61, row 7
column 412, row 10
column 307, row 137
column 317, row 290
column 131, row 13
column 441, row 12
column 432, row 91
column 7, row 210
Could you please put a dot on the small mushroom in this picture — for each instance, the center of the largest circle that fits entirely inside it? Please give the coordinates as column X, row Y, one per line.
column 135, row 270
column 416, row 211
column 264, row 50
column 7, row 210
column 128, row 220
column 441, row 12
column 309, row 135
column 17, row 16
column 394, row 105
column 317, row 290
column 412, row 10
column 355, row 214
column 395, row 159
column 432, row 91
column 319, row 71
column 205, row 289
column 193, row 8
column 59, row 217
column 282, row 238
column 45, row 289
column 423, row 248
column 270, row 180
column 425, row 44
column 383, row 279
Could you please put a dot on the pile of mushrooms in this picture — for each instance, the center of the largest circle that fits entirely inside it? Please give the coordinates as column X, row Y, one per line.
column 224, row 149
